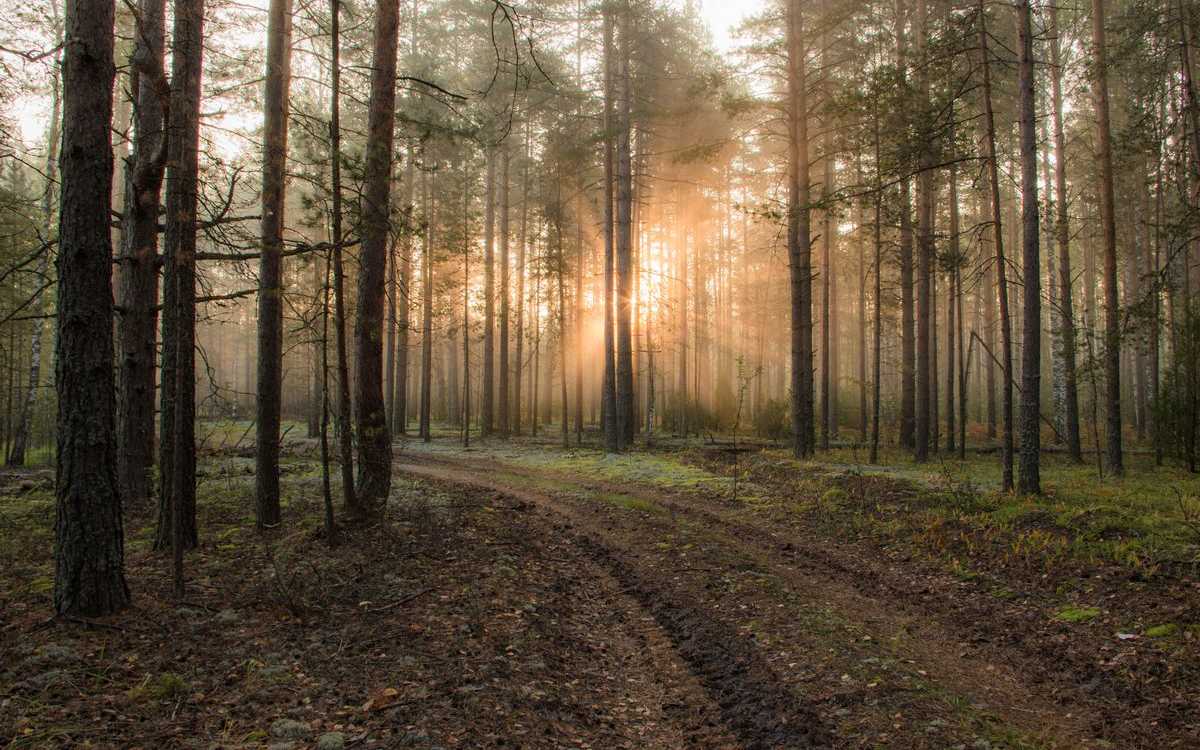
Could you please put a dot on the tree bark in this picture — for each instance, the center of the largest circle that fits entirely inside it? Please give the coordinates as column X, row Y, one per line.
column 374, row 442
column 345, row 436
column 89, row 549
column 993, row 182
column 177, row 453
column 137, row 271
column 799, row 237
column 503, row 393
column 1031, row 343
column 1108, row 228
column 612, row 441
column 487, row 404
column 625, row 401
column 270, row 272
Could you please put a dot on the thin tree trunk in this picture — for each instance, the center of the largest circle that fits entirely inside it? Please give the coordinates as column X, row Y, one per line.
column 427, row 310
column 612, row 442
column 908, row 344
column 1031, row 352
column 989, row 147
column 505, row 423
column 488, row 405
column 522, row 240
column 345, row 434
column 625, row 406
column 1108, row 227
column 270, row 272
column 16, row 454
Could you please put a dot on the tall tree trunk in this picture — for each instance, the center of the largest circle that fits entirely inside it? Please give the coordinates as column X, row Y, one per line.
column 89, row 548
column 345, row 436
column 877, row 335
column 270, row 272
column 799, row 239
column 137, row 270
column 404, row 298
column 505, row 423
column 487, row 397
column 924, row 396
column 993, row 182
column 827, row 336
column 1108, row 227
column 612, row 442
column 1031, row 340
column 177, row 457
column 951, row 309
column 427, row 310
column 466, row 301
column 908, row 343
column 374, row 442
column 625, row 406
column 522, row 239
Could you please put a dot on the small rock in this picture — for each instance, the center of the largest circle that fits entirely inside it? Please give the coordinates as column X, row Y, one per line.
column 331, row 741
column 290, row 729
column 57, row 653
column 227, row 616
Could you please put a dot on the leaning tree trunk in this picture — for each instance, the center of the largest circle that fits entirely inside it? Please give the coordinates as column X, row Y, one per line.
column 137, row 271
column 1108, row 228
column 89, row 549
column 1031, row 342
column 374, row 440
column 177, row 432
column 270, row 272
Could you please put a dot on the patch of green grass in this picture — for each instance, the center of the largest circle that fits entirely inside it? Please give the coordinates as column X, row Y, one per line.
column 630, row 502
column 1077, row 614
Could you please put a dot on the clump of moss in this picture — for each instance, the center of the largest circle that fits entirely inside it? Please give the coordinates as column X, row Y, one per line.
column 834, row 496
column 1165, row 630
column 1077, row 614
column 167, row 686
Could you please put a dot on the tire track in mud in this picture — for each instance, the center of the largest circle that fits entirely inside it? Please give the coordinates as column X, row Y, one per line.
column 1071, row 720
column 756, row 706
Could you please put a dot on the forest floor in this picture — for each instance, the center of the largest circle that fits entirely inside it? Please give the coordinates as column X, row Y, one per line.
column 522, row 595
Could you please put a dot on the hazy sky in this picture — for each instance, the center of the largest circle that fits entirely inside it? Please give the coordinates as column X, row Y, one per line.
column 723, row 16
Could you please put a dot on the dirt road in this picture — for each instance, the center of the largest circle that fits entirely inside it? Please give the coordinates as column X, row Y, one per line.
column 801, row 641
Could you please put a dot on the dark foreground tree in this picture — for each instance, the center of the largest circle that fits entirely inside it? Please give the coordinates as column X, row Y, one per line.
column 270, row 274
column 374, row 441
column 89, row 550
